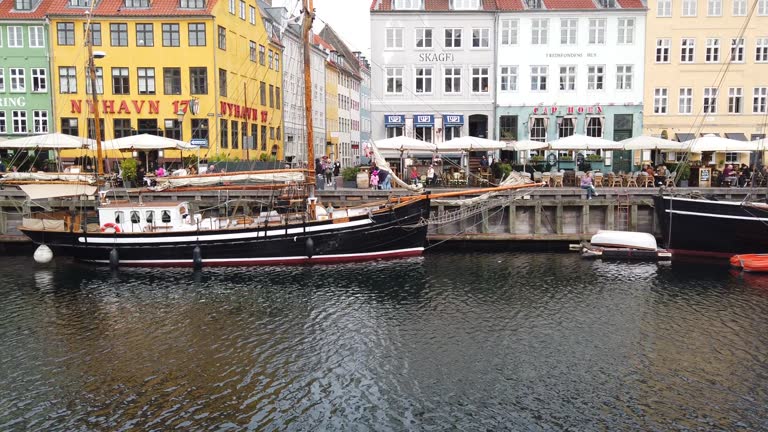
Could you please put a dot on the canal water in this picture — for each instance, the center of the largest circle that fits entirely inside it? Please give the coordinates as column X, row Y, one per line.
column 508, row 341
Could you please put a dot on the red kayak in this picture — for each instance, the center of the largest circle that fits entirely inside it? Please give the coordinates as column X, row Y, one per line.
column 751, row 262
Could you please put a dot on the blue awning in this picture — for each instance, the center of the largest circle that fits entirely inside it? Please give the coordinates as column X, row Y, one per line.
column 423, row 120
column 453, row 119
column 394, row 120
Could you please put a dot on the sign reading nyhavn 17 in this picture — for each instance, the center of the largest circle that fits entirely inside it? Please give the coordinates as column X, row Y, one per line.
column 591, row 109
column 109, row 106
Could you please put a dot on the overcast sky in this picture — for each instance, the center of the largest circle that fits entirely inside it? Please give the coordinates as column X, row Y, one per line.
column 348, row 17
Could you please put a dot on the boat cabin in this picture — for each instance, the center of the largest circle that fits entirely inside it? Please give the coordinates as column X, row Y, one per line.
column 152, row 216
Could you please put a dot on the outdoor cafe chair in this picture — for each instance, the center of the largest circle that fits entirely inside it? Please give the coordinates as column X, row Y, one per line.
column 557, row 179
column 632, row 180
column 647, row 180
column 546, row 178
column 670, row 179
column 615, row 180
column 598, row 179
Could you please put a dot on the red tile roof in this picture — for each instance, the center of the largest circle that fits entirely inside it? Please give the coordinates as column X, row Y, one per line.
column 7, row 11
column 569, row 4
column 510, row 5
column 631, row 4
column 429, row 5
column 116, row 8
column 323, row 44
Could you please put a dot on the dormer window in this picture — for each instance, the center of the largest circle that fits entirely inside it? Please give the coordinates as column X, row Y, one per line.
column 409, row 4
column 268, row 26
column 137, row 3
column 534, row 4
column 465, row 4
column 608, row 4
column 192, row 4
column 24, row 4
column 80, row 3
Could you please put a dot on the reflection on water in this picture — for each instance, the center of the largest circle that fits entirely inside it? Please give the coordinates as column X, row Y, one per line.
column 483, row 341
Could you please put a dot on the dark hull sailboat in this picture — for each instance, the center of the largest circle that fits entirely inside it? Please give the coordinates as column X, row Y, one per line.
column 707, row 228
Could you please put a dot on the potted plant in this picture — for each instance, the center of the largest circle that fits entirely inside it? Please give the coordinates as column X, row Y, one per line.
column 595, row 162
column 684, row 174
column 128, row 168
column 504, row 170
column 349, row 176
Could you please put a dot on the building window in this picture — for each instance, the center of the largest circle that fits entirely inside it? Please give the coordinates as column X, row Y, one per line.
column 569, row 28
column 2, row 80
column 760, row 100
column 664, row 8
column 170, row 35
column 539, row 31
column 40, row 121
column 408, row 4
column 198, row 80
column 424, row 133
column 263, row 138
column 19, row 121
column 539, row 78
column 197, row 34
column 714, row 7
column 423, row 38
column 687, row 47
column 146, row 80
column 481, row 38
column 685, row 101
column 761, row 50
column 67, row 79
column 95, row 33
column 394, row 38
column 277, row 98
column 595, row 77
column 566, row 126
column 18, row 78
column 662, row 50
column 121, row 127
column 453, row 38
column 509, row 31
column 242, row 10
column 737, row 50
column 39, row 80
column 192, row 4
column 262, row 55
column 271, row 96
column 65, row 33
column 394, row 80
column 222, row 32
column 252, row 15
column 118, row 34
column 137, row 3
column 762, row 7
column 23, row 5
column 270, row 57
column 597, row 31
column 224, row 133
column 222, row 82
column 172, row 81
column 200, row 128
column 120, row 81
column 508, row 78
column 480, row 79
column 660, row 101
column 713, row 51
column 263, row 93
column 252, row 51
column 277, row 61
column 69, row 126
column 689, row 8
column 235, row 134
column 624, row 75
column 452, row 77
column 595, row 127
column 739, row 7
column 626, row 30
column 539, row 129
column 710, row 100
column 568, row 78
column 424, row 80
column 508, row 127
column 15, row 37
column 232, row 7
column 735, row 100
column 36, row 37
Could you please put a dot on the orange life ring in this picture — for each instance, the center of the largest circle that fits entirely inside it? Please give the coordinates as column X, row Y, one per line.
column 108, row 225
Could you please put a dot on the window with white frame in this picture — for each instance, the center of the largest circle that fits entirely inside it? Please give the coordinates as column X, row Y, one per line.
column 19, row 121
column 689, row 8
column 36, row 37
column 712, row 53
column 3, row 123
column 597, row 31
column 538, row 129
column 480, row 78
column 710, row 100
column 508, row 78
column 735, row 100
column 509, row 31
column 232, row 7
column 146, row 80
column 739, row 7
column 762, row 7
column 685, row 101
column 539, row 31
column 40, row 121
column 662, row 50
column 624, row 77
column 664, row 8
column 568, row 78
column 17, row 77
column 408, row 4
column 2, row 80
column 465, row 4
column 539, row 78
column 760, row 100
column 687, row 47
column 714, row 7
column 15, row 37
column 626, row 30
column 761, row 50
column 423, row 80
column 565, row 126
column 595, row 77
column 67, row 79
column 99, row 82
column 660, row 101
column 394, row 76
column 737, row 50
column 39, row 80
column 423, row 38
column 481, row 38
column 595, row 127
column 569, row 28
column 394, row 38
column 242, row 10
column 453, row 38
column 252, row 15
column 452, row 80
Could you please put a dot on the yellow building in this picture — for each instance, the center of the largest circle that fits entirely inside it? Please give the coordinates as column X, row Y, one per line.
column 331, row 99
column 701, row 76
column 203, row 71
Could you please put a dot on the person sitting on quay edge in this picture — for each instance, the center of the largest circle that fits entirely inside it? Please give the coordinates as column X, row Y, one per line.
column 586, row 183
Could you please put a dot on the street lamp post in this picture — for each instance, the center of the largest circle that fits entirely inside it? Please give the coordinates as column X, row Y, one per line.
column 180, row 117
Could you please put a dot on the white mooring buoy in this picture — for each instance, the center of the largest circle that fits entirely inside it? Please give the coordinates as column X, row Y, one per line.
column 43, row 254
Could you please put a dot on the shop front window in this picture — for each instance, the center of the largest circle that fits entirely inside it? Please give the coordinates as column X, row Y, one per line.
column 566, row 126
column 424, row 134
column 394, row 132
column 539, row 129
column 452, row 132
column 595, row 127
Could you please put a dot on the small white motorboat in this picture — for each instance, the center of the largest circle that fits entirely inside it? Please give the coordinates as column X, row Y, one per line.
column 624, row 245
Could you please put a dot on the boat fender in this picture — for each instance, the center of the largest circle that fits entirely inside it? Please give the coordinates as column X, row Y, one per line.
column 197, row 258
column 309, row 247
column 115, row 227
column 43, row 254
column 114, row 259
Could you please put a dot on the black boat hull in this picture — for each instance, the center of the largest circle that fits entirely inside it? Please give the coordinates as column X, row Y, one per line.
column 391, row 234
column 698, row 227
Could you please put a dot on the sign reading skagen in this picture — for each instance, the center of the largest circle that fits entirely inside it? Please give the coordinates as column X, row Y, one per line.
column 12, row 102
column 571, row 55
column 436, row 57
